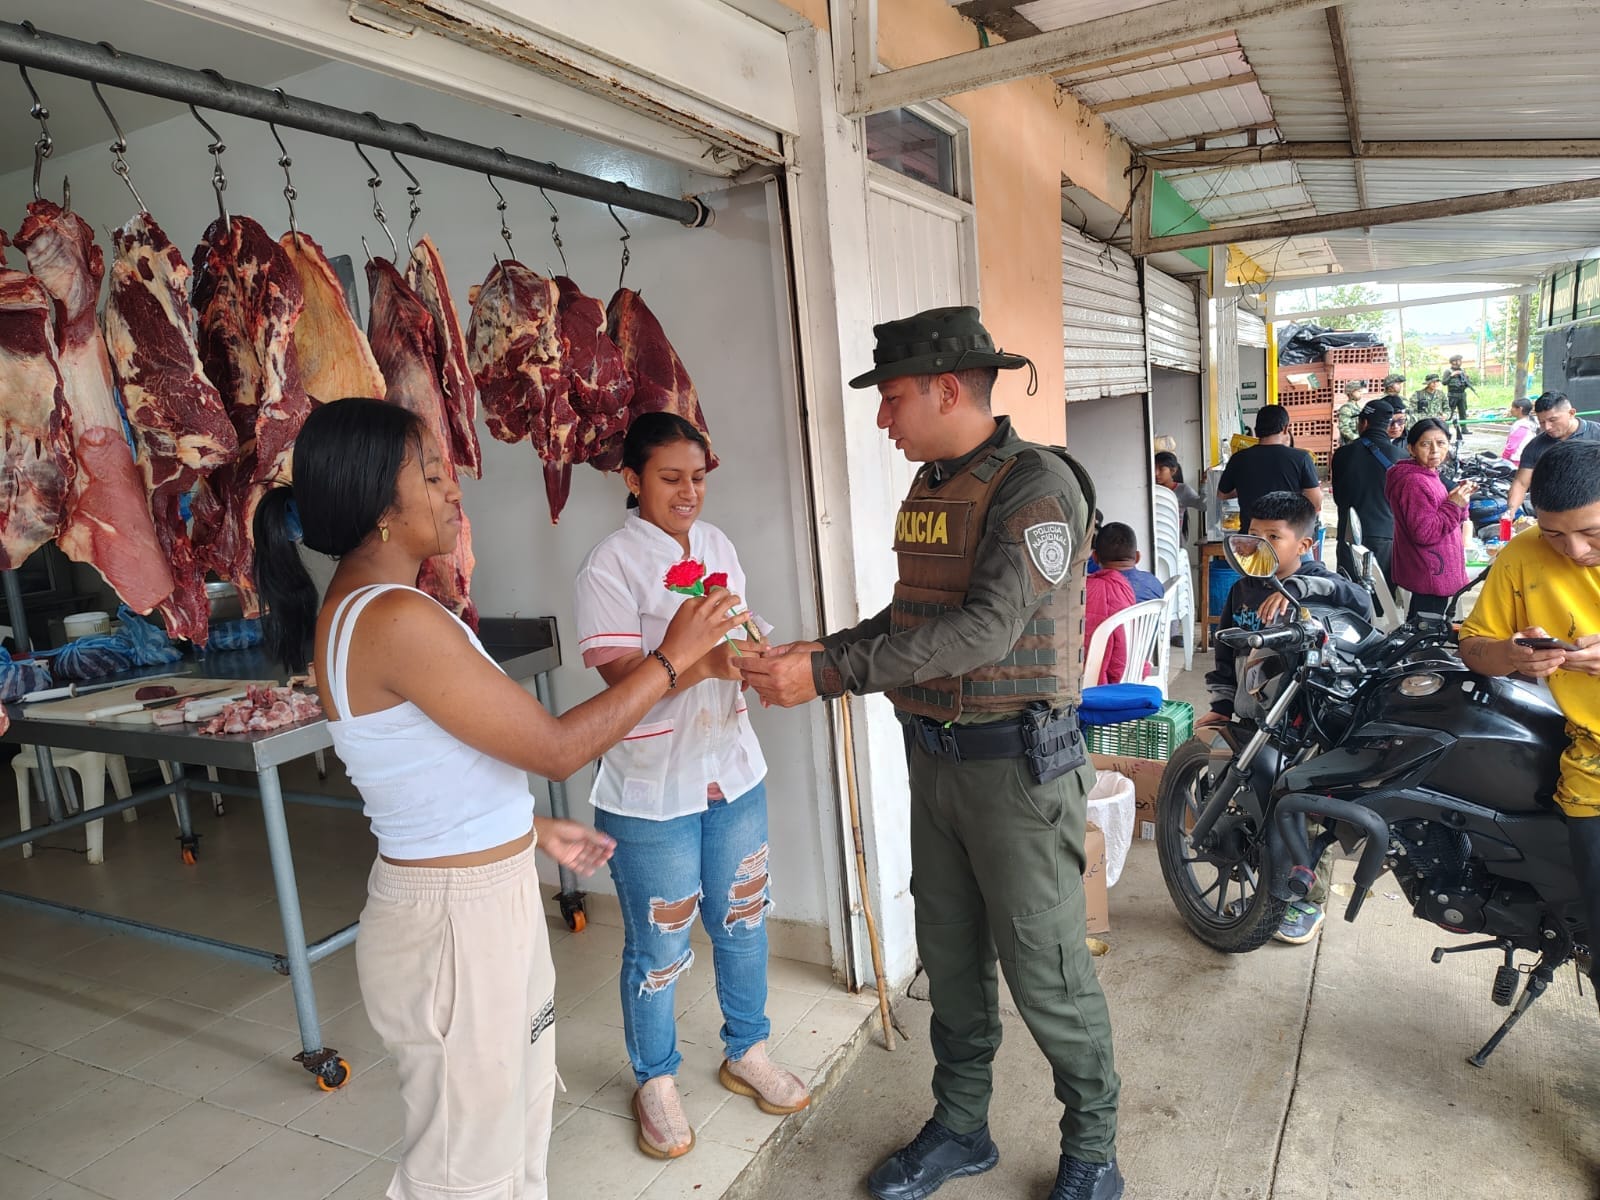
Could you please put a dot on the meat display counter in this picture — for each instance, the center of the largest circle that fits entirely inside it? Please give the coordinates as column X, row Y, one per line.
column 524, row 647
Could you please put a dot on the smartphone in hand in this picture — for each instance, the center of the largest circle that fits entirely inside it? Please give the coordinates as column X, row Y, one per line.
column 1544, row 643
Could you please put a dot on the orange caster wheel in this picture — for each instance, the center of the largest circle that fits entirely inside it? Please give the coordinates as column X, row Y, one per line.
column 572, row 910
column 334, row 1075
column 189, row 849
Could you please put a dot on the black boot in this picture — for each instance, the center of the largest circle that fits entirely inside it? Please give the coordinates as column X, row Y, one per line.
column 1079, row 1180
column 933, row 1156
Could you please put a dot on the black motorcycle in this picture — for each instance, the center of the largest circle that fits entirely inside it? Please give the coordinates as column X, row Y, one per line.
column 1388, row 744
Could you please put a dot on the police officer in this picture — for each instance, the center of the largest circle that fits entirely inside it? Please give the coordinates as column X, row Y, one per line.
column 1431, row 401
column 1349, row 414
column 981, row 653
column 1456, row 386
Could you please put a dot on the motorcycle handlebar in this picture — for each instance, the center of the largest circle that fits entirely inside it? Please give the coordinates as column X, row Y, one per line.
column 1272, row 639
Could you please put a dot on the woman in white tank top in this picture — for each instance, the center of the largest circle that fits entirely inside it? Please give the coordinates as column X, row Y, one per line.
column 453, row 953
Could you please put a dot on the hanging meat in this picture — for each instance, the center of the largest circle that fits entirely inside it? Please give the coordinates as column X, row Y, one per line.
column 36, row 464
column 247, row 299
column 514, row 348
column 600, row 386
column 425, row 274
column 403, row 338
column 660, row 381
column 335, row 360
column 107, row 522
column 178, row 417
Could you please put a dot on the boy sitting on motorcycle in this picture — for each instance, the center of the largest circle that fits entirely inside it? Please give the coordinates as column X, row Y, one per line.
column 1288, row 522
column 1548, row 579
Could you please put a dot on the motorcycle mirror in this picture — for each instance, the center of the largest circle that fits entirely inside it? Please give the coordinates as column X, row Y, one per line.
column 1250, row 555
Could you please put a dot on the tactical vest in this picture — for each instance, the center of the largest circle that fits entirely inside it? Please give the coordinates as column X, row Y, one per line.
column 937, row 533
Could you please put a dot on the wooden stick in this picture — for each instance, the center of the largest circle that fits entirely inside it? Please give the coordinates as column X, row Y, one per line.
column 861, row 869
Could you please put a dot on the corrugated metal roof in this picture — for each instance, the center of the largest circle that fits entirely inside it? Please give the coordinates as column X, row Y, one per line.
column 1469, row 70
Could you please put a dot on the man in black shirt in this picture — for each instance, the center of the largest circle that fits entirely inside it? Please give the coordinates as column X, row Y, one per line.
column 1358, row 474
column 1273, row 465
column 1557, row 423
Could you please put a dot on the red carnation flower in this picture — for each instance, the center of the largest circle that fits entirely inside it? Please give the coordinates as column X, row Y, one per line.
column 685, row 574
column 717, row 579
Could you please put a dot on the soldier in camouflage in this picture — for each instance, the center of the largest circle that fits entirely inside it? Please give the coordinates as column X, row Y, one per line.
column 1349, row 413
column 981, row 654
column 1431, row 401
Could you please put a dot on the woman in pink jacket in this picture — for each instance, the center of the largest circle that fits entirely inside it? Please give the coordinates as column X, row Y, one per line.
column 1429, row 557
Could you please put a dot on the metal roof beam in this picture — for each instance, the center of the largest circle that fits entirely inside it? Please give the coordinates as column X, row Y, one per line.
column 1073, row 48
column 1393, row 305
column 1393, row 214
column 1201, row 138
column 1535, row 263
column 1173, row 93
column 1249, row 156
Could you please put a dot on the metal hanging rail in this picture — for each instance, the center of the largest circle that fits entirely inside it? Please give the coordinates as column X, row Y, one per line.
column 103, row 63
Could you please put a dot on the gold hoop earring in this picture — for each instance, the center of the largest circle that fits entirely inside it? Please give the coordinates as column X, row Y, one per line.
column 383, row 532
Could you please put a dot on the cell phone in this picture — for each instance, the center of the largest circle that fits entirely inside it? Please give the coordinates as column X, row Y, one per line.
column 1544, row 643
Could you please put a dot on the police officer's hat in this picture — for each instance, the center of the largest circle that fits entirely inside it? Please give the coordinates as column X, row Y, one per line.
column 933, row 342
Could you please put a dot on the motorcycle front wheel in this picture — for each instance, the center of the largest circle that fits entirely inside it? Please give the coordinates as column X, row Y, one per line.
column 1221, row 892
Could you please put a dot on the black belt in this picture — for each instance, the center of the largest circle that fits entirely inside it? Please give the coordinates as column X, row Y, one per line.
column 999, row 739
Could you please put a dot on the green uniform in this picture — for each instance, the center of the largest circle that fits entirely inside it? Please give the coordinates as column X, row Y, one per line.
column 1430, row 404
column 997, row 857
column 1349, row 415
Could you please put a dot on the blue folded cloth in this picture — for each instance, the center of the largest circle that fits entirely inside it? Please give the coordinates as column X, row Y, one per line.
column 1113, row 703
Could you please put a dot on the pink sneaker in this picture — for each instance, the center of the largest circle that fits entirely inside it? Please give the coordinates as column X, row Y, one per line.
column 775, row 1090
column 664, row 1130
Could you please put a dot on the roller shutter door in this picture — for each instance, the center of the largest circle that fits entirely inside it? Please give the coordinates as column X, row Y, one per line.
column 1171, row 322
column 1102, row 319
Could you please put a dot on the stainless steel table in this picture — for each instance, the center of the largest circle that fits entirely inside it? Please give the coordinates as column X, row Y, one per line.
column 522, row 647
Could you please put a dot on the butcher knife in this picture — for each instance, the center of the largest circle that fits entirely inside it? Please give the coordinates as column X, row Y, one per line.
column 45, row 695
column 121, row 710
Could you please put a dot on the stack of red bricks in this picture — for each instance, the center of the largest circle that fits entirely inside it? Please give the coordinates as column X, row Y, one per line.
column 1312, row 393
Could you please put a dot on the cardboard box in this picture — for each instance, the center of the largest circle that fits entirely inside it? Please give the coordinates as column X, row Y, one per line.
column 1146, row 775
column 1096, row 906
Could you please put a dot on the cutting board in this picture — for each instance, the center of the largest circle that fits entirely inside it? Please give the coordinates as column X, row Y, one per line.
column 79, row 707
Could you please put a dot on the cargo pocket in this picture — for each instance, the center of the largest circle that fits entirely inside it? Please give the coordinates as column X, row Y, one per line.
column 1051, row 958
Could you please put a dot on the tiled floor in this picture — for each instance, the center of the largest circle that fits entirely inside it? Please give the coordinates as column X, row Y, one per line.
column 131, row 1070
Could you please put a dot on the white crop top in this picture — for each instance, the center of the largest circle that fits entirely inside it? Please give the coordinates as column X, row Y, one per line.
column 427, row 793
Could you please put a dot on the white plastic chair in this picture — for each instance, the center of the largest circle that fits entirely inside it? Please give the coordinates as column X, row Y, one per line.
column 91, row 769
column 1144, row 630
column 1172, row 568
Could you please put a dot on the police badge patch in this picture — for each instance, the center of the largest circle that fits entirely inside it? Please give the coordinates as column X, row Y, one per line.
column 1050, row 546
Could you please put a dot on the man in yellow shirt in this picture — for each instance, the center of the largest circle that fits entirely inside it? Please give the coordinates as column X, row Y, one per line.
column 1546, row 584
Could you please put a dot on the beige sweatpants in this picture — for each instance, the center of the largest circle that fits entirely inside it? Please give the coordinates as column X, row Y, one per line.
column 456, row 974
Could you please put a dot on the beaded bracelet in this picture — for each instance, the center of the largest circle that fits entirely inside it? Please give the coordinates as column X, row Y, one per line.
column 672, row 675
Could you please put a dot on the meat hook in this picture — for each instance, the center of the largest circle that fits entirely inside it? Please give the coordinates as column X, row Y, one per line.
column 413, row 190
column 375, row 182
column 219, row 180
column 45, row 145
column 284, row 161
column 555, row 229
column 626, row 256
column 119, row 165
column 500, row 207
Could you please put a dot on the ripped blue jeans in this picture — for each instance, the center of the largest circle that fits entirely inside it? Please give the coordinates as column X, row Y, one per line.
column 713, row 864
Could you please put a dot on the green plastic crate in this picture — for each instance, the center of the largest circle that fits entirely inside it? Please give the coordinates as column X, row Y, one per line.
column 1149, row 737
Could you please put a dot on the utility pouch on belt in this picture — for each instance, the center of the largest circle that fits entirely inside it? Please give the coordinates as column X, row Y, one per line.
column 1052, row 742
